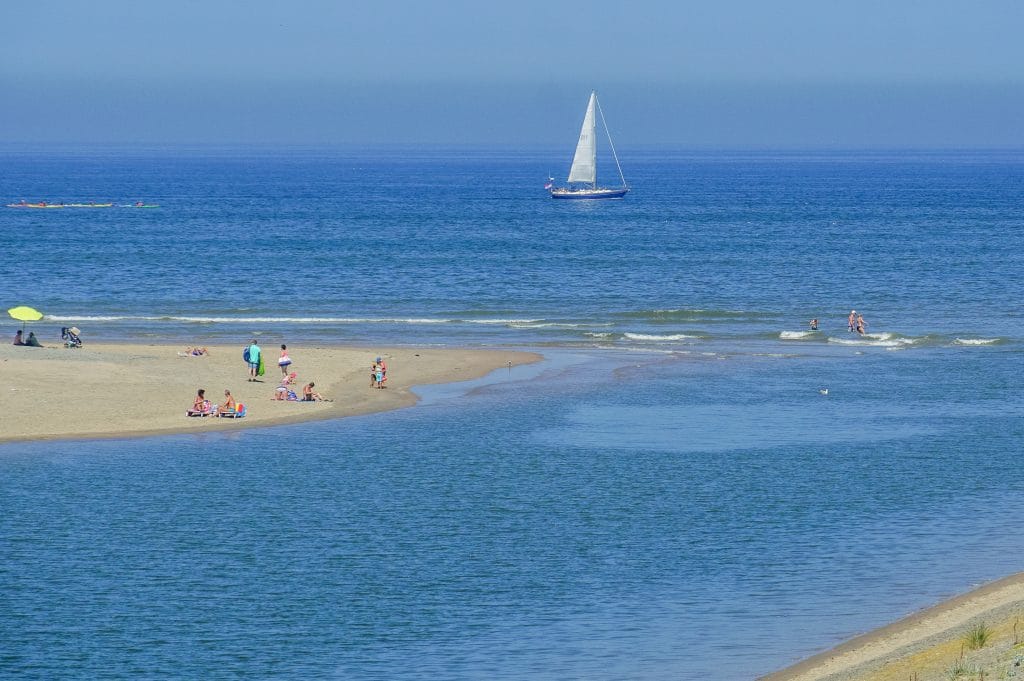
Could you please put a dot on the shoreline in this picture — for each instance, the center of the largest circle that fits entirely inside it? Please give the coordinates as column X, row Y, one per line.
column 128, row 390
column 928, row 642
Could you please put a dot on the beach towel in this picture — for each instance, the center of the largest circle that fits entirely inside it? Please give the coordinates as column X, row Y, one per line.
column 259, row 371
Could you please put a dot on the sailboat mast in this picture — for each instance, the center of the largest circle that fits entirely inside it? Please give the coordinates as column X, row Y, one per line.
column 593, row 132
column 610, row 145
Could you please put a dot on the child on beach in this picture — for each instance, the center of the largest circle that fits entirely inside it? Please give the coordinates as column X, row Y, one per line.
column 284, row 391
column 17, row 338
column 285, row 360
column 378, row 373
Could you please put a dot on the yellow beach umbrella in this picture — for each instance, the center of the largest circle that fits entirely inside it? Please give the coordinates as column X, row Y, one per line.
column 25, row 314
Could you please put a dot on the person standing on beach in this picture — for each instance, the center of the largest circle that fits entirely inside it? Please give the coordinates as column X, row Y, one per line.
column 851, row 320
column 285, row 360
column 254, row 360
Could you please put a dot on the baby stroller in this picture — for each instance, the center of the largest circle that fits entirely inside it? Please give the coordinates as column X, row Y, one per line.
column 69, row 335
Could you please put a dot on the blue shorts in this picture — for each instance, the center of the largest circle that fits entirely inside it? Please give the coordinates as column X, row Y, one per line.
column 254, row 365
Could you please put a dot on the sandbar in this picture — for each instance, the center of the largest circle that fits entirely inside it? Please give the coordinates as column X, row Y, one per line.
column 129, row 390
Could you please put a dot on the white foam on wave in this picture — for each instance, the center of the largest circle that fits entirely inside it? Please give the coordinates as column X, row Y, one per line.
column 797, row 335
column 508, row 322
column 976, row 341
column 246, row 320
column 656, row 338
column 195, row 319
column 87, row 318
column 602, row 335
column 877, row 340
column 543, row 325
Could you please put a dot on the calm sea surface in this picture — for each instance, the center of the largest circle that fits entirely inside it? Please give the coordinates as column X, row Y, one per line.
column 666, row 496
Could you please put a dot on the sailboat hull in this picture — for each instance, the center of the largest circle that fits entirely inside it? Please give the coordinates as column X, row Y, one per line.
column 561, row 193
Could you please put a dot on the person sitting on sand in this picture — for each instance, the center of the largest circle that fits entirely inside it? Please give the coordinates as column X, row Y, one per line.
column 228, row 406
column 33, row 341
column 18, row 340
column 281, row 392
column 310, row 395
column 200, row 405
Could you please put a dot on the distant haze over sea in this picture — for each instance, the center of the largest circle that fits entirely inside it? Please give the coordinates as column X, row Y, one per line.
column 696, row 115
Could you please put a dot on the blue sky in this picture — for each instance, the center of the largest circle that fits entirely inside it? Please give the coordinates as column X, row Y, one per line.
column 723, row 74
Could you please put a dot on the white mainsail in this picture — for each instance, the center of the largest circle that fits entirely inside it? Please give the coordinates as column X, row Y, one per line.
column 584, row 163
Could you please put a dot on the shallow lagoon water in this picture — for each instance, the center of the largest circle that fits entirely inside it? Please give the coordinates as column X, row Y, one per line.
column 596, row 516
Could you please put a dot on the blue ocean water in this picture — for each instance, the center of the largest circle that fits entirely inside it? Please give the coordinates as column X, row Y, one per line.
column 667, row 495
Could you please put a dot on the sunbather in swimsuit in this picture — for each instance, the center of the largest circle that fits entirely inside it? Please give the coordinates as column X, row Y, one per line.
column 229, row 404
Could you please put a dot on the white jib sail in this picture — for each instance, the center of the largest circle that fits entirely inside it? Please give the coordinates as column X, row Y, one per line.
column 584, row 163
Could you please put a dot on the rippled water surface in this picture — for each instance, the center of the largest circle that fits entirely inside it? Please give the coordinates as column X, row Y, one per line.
column 667, row 496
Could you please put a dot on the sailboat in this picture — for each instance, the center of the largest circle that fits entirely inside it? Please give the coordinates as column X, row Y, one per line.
column 584, row 163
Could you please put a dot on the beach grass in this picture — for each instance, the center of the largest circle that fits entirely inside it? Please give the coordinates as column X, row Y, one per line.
column 959, row 669
column 977, row 636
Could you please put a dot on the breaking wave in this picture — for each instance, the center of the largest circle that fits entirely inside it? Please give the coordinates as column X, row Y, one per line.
column 977, row 341
column 797, row 335
column 658, row 338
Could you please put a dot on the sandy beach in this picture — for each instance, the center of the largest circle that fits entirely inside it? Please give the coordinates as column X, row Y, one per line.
column 121, row 390
column 932, row 644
